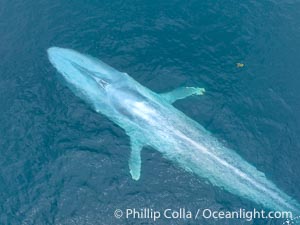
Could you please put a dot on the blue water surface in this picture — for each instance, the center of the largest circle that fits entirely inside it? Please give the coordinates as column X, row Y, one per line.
column 62, row 163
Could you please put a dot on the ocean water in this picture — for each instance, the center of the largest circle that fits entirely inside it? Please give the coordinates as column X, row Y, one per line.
column 62, row 163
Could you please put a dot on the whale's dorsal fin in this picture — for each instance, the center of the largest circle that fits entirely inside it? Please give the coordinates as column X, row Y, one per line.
column 181, row 93
column 135, row 158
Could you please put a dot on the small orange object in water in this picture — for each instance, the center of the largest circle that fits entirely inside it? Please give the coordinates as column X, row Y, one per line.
column 240, row 65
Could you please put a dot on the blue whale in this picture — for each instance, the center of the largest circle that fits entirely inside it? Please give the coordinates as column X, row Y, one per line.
column 150, row 119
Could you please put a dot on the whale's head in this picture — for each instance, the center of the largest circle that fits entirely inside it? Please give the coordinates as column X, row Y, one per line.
column 87, row 77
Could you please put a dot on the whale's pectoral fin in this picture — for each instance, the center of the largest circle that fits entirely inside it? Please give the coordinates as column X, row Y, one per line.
column 135, row 159
column 181, row 93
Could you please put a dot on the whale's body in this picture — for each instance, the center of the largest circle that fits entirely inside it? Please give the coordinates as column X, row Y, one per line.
column 151, row 120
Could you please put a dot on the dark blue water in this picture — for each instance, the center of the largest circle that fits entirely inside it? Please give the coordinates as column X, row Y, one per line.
column 62, row 163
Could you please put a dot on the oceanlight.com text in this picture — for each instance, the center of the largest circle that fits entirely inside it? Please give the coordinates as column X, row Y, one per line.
column 244, row 214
